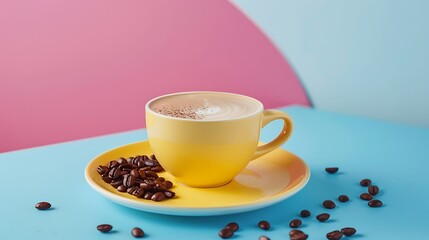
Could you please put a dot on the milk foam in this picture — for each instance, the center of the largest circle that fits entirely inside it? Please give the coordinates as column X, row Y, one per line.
column 206, row 106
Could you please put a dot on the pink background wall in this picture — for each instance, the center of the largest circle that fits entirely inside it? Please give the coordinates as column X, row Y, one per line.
column 74, row 69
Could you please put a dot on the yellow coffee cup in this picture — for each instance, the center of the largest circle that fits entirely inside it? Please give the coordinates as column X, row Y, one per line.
column 204, row 139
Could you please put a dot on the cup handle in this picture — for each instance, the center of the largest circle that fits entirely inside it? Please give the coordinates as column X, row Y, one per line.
column 267, row 117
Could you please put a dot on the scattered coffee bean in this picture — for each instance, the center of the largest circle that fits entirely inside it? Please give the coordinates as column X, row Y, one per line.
column 295, row 223
column 43, row 205
column 264, row 225
column 305, row 213
column 233, row 226
column 329, row 204
column 334, row 235
column 137, row 232
column 226, row 233
column 264, row 238
column 373, row 190
column 375, row 203
column 297, row 235
column 323, row 217
column 366, row 196
column 104, row 228
column 348, row 231
column 365, row 182
column 331, row 170
column 343, row 198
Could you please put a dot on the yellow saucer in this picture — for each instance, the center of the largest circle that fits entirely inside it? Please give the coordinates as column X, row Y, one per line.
column 265, row 181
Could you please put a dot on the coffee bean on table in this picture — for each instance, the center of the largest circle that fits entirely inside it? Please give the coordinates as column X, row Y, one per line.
column 297, row 235
column 334, row 235
column 264, row 225
column 329, row 204
column 233, row 226
column 323, row 217
column 343, row 198
column 264, row 238
column 226, row 233
column 348, row 231
column 305, row 213
column 295, row 223
column 375, row 203
column 365, row 182
column 43, row 205
column 331, row 170
column 137, row 232
column 104, row 228
column 373, row 190
column 365, row 196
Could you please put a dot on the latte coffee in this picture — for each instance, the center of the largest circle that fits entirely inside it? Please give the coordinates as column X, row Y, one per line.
column 206, row 106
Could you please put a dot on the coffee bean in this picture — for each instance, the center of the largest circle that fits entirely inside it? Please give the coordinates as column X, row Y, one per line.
column 122, row 188
column 135, row 173
column 329, row 204
column 295, row 223
column 151, row 174
column 295, row 231
column 169, row 194
column 116, row 183
column 147, row 186
column 323, row 217
column 112, row 164
column 343, row 198
column 104, row 228
column 160, row 179
column 148, row 195
column 137, row 232
column 158, row 196
column 264, row 238
column 122, row 160
column 305, row 213
column 43, row 205
column 130, row 190
column 331, row 170
column 102, row 169
column 168, row 184
column 150, row 163
column 334, row 235
column 153, row 157
column 157, row 169
column 365, row 196
column 297, row 235
column 115, row 173
column 348, row 231
column 375, row 203
column 264, row 225
column 142, row 173
column 365, row 182
column 106, row 178
column 373, row 190
column 226, row 233
column 129, row 181
column 138, row 192
column 233, row 226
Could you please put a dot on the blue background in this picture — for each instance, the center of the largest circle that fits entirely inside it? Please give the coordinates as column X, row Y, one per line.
column 363, row 57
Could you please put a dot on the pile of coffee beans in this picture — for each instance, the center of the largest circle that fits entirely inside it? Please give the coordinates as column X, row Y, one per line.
column 138, row 177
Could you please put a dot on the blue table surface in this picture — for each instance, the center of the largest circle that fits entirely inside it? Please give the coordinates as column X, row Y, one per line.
column 394, row 156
